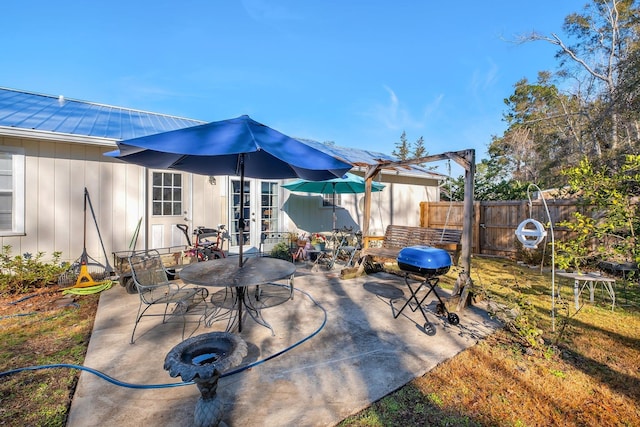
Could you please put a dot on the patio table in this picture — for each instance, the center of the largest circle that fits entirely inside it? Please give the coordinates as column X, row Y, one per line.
column 226, row 273
column 590, row 280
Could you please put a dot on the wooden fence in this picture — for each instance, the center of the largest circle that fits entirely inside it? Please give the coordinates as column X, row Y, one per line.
column 494, row 223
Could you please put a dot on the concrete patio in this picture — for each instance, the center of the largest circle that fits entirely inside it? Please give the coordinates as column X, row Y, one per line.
column 348, row 351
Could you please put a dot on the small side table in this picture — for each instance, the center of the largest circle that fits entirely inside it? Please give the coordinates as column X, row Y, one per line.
column 580, row 281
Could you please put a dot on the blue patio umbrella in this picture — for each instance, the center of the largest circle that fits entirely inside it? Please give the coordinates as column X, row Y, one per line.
column 239, row 146
column 349, row 183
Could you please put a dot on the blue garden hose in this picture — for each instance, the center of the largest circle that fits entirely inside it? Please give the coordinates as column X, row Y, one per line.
column 170, row 385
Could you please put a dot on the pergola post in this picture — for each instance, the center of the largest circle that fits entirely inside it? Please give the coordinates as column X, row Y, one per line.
column 368, row 180
column 464, row 283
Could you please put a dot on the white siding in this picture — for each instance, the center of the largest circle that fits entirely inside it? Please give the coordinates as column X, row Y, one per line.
column 56, row 176
column 398, row 203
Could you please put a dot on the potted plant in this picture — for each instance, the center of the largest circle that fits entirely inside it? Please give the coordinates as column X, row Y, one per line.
column 318, row 241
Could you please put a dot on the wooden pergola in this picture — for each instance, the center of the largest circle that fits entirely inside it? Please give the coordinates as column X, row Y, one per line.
column 466, row 159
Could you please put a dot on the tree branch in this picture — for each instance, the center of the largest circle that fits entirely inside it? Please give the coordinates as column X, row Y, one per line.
column 566, row 49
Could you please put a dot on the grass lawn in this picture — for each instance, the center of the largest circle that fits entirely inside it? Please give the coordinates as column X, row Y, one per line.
column 586, row 372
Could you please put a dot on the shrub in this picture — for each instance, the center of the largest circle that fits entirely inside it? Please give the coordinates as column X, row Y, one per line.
column 537, row 256
column 612, row 219
column 281, row 250
column 22, row 273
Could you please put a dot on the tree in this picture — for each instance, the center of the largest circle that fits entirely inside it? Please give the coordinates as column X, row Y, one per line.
column 545, row 132
column 418, row 148
column 402, row 147
column 588, row 107
column 491, row 182
column 605, row 34
column 627, row 97
column 406, row 151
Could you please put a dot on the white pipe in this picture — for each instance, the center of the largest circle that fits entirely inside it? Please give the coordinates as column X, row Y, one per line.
column 553, row 258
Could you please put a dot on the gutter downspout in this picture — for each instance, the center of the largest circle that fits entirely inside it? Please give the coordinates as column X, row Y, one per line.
column 145, row 194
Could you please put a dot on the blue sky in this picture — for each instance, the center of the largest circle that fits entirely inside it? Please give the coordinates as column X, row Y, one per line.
column 358, row 73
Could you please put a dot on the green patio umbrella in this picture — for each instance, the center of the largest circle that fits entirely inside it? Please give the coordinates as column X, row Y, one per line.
column 348, row 184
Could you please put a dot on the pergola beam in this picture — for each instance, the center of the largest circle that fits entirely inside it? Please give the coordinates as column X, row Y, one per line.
column 465, row 158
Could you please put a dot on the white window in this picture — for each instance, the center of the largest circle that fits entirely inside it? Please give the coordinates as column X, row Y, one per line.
column 328, row 199
column 11, row 191
column 167, row 193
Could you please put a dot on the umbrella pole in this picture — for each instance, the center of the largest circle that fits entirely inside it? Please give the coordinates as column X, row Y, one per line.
column 334, row 206
column 241, row 221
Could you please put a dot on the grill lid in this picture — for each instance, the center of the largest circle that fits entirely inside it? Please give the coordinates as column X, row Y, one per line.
column 424, row 260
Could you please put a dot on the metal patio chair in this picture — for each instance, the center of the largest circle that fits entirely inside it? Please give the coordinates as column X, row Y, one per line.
column 346, row 245
column 154, row 289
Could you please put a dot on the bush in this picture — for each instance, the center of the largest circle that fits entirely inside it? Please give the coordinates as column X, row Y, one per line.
column 23, row 273
column 281, row 251
column 609, row 228
column 537, row 256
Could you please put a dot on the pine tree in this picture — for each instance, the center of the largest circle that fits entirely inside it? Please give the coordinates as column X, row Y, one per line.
column 402, row 147
column 418, row 148
column 406, row 151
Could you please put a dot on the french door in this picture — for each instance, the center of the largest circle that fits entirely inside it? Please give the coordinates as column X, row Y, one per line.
column 261, row 209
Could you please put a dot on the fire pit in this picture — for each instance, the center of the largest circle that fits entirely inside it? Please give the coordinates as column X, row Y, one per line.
column 202, row 359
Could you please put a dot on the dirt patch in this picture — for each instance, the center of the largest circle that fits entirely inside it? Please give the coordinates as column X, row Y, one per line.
column 47, row 299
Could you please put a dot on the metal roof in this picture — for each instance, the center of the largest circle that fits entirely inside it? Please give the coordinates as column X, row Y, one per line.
column 56, row 117
column 59, row 115
column 354, row 156
column 363, row 158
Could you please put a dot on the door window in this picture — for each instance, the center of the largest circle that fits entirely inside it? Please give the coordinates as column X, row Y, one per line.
column 240, row 234
column 269, row 207
column 167, row 194
column 261, row 207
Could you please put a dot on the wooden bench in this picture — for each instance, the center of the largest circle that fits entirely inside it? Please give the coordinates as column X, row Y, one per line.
column 397, row 237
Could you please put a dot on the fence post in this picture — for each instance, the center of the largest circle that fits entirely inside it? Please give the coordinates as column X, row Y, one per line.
column 424, row 214
column 476, row 228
